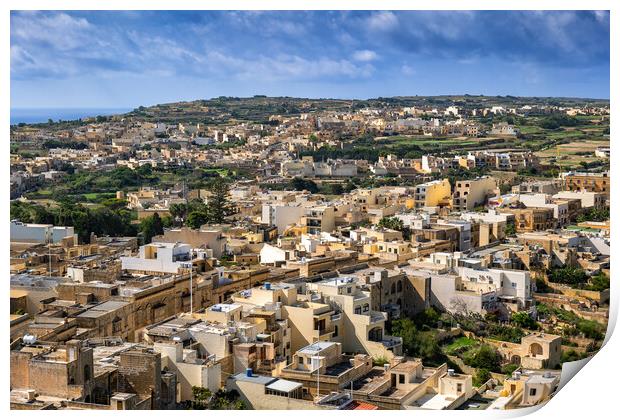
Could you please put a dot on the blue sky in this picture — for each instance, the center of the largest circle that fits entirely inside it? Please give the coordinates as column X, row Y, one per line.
column 126, row 59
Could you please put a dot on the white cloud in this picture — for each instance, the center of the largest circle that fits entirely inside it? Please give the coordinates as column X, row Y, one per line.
column 382, row 21
column 602, row 16
column 364, row 55
column 59, row 30
column 284, row 67
column 407, row 70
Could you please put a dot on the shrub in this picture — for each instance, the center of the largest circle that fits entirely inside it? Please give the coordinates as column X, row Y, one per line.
column 481, row 376
column 484, row 357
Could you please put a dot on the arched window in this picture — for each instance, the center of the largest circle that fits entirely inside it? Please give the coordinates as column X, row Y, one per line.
column 393, row 289
column 400, row 286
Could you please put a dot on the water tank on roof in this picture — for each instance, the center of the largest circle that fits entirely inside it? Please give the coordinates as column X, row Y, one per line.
column 29, row 339
column 248, row 372
column 267, row 286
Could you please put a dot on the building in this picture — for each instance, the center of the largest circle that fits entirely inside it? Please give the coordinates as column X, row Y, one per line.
column 40, row 233
column 564, row 211
column 532, row 218
column 319, row 219
column 469, row 194
column 504, row 129
column 209, row 238
column 408, row 384
column 587, row 181
column 536, row 351
column 526, row 389
column 589, row 199
column 62, row 371
column 282, row 215
column 322, row 368
column 432, row 194
column 163, row 258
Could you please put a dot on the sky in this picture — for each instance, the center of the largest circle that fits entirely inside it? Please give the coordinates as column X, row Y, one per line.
column 115, row 59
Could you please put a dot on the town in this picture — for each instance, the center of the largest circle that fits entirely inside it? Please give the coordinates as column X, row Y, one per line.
column 420, row 253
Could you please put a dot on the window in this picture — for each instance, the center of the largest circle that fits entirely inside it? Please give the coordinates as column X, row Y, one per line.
column 348, row 290
column 366, row 307
column 459, row 387
column 401, row 379
column 358, row 310
column 301, row 361
column 335, row 330
column 532, row 392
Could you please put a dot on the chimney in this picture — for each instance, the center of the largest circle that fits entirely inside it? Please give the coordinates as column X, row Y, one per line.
column 32, row 395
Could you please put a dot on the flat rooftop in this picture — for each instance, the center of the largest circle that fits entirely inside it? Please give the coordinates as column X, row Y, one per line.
column 338, row 281
column 223, row 307
column 316, row 348
column 257, row 379
column 103, row 309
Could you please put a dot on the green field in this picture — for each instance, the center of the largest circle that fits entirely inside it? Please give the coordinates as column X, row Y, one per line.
column 459, row 344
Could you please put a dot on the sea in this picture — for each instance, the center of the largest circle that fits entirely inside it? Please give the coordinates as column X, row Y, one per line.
column 42, row 115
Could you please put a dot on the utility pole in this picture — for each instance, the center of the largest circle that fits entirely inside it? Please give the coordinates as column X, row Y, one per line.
column 190, row 265
column 317, row 360
column 49, row 253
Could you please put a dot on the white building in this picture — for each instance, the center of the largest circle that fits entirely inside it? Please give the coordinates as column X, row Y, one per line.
column 282, row 215
column 509, row 284
column 159, row 257
column 270, row 254
column 40, row 233
column 588, row 198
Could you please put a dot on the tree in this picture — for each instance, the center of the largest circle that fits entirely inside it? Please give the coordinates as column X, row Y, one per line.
column 568, row 275
column 509, row 368
column 481, row 377
column 151, row 226
column 196, row 219
column 524, row 320
column 218, row 206
column 301, row 184
column 484, row 357
column 599, row 282
column 178, row 211
column 416, row 343
column 393, row 223
column 201, row 397
column 593, row 215
column 510, row 229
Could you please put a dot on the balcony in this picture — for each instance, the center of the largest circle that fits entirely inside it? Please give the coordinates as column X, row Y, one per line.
column 392, row 342
column 377, row 317
column 323, row 334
